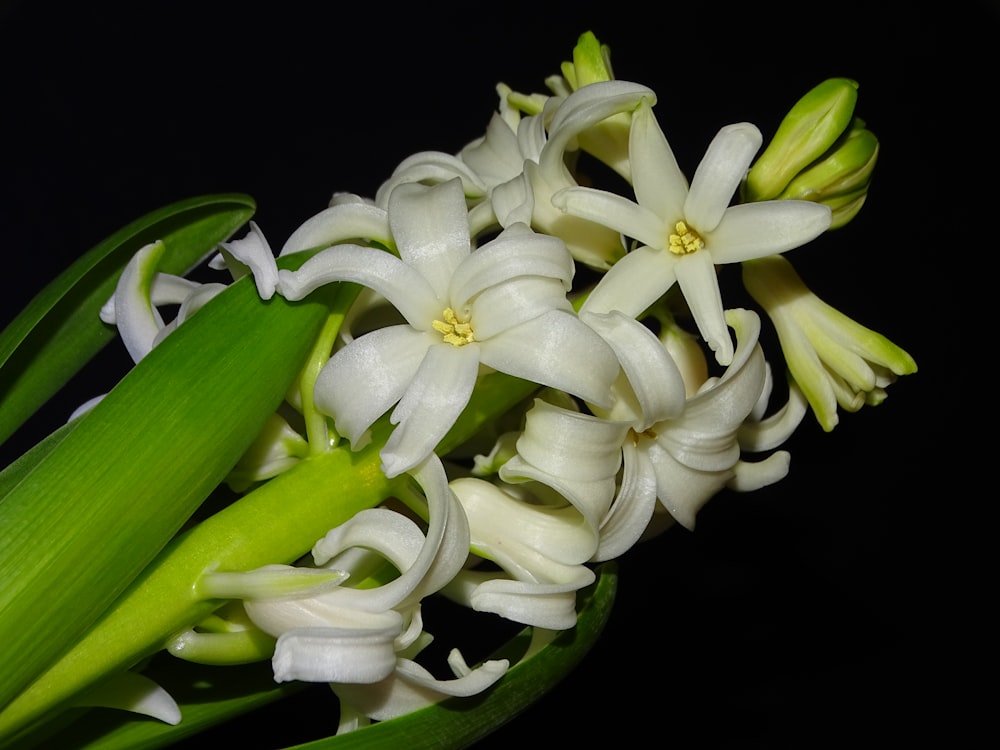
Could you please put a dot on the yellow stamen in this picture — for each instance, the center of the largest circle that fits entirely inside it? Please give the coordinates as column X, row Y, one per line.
column 686, row 241
column 454, row 331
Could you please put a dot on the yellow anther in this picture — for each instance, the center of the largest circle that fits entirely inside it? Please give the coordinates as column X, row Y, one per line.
column 454, row 331
column 686, row 241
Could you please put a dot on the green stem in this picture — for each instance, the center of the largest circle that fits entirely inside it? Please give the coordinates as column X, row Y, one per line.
column 278, row 522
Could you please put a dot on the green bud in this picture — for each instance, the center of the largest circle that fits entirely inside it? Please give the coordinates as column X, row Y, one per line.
column 840, row 178
column 810, row 128
column 591, row 62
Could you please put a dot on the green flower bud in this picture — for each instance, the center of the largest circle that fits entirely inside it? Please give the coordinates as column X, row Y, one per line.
column 841, row 177
column 591, row 62
column 810, row 128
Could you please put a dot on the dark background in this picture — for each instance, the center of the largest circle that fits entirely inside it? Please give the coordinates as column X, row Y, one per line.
column 818, row 611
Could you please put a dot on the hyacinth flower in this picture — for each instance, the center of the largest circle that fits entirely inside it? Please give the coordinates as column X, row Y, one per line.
column 298, row 463
column 685, row 232
column 680, row 460
column 459, row 313
column 833, row 359
column 512, row 172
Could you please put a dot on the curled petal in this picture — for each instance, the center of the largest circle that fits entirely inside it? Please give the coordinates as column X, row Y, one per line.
column 749, row 476
column 412, row 687
column 338, row 224
column 431, row 228
column 558, row 350
column 632, row 509
column 334, row 655
column 432, row 167
column 253, row 252
column 363, row 380
column 649, row 368
column 401, row 284
column 138, row 320
column 437, row 394
column 543, row 605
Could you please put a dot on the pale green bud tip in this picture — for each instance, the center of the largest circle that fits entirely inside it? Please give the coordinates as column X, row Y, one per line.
column 591, row 62
column 840, row 178
column 810, row 128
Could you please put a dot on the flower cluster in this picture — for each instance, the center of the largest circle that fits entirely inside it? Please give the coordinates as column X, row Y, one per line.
column 503, row 260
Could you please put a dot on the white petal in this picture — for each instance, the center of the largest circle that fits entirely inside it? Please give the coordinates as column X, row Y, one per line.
column 557, row 350
column 496, row 157
column 753, row 230
column 584, row 108
column 130, row 691
column 254, row 252
column 137, row 319
column 513, row 302
column 632, row 509
column 551, row 606
column 751, row 476
column 650, row 370
column 365, row 378
column 437, row 394
column 698, row 280
column 334, row 655
column 719, row 174
column 611, row 210
column 776, row 429
column 412, row 688
column 431, row 229
column 407, row 290
column 530, row 541
column 683, row 491
column 633, row 283
column 516, row 252
column 432, row 167
column 337, row 224
column 657, row 180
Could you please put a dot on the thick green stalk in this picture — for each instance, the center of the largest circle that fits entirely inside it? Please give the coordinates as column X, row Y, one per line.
column 278, row 522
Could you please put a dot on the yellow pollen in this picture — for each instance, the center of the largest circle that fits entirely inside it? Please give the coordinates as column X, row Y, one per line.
column 686, row 241
column 453, row 330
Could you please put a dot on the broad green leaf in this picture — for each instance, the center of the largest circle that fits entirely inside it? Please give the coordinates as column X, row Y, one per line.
column 82, row 523
column 60, row 331
column 455, row 723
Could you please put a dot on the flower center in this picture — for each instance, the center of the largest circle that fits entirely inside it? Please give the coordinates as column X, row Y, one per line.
column 454, row 331
column 685, row 241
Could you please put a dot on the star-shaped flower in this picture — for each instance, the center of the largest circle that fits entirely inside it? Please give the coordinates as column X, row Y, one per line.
column 684, row 232
column 502, row 305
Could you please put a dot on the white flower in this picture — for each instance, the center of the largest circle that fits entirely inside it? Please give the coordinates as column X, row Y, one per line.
column 682, row 460
column 363, row 640
column 833, row 359
column 685, row 232
column 503, row 306
column 521, row 162
column 540, row 546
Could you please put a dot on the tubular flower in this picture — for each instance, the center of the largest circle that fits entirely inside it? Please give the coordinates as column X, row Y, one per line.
column 832, row 358
column 503, row 306
column 540, row 546
column 685, row 232
column 362, row 640
column 512, row 171
column 682, row 460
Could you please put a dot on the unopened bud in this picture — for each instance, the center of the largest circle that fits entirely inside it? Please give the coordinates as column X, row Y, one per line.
column 839, row 179
column 809, row 129
column 591, row 62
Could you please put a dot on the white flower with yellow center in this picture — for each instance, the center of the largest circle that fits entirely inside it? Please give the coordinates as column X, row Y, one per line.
column 502, row 305
column 684, row 232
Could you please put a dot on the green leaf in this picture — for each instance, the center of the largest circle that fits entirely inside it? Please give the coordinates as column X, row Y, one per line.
column 60, row 331
column 227, row 692
column 91, row 513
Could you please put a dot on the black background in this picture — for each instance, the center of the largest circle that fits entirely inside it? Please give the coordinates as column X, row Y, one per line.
column 817, row 611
